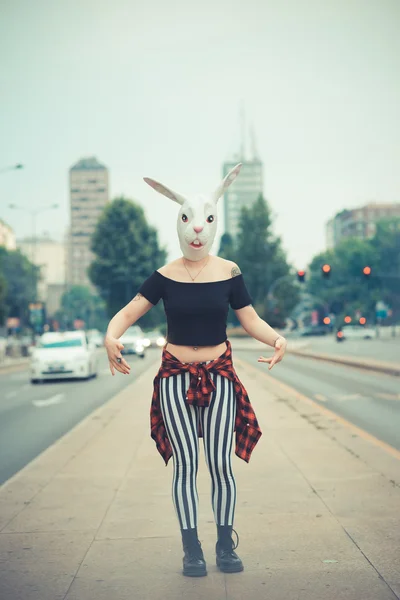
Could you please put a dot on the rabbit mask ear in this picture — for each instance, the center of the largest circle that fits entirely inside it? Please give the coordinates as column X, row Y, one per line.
column 162, row 189
column 226, row 182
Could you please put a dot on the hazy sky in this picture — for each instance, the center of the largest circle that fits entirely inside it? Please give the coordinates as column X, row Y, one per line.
column 153, row 88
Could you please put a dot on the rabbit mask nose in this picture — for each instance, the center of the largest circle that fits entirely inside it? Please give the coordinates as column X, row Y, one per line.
column 198, row 229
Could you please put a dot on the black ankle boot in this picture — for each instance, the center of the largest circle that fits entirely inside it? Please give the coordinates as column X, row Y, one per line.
column 194, row 564
column 227, row 560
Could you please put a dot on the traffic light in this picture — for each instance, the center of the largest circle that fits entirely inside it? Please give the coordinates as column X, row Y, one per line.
column 326, row 271
column 367, row 272
column 363, row 320
column 301, row 275
column 347, row 319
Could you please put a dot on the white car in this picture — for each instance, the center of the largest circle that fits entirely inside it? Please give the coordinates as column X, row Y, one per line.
column 63, row 356
column 133, row 341
column 358, row 332
column 154, row 339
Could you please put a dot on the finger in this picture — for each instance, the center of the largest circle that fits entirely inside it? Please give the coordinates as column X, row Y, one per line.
column 119, row 367
column 124, row 363
column 265, row 360
column 112, row 370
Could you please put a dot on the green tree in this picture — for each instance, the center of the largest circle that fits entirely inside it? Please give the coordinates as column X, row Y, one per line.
column 126, row 252
column 262, row 261
column 227, row 247
column 21, row 283
column 80, row 303
column 3, row 294
column 347, row 290
column 385, row 277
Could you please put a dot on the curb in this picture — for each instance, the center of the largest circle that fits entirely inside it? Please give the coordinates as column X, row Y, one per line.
column 18, row 365
column 388, row 369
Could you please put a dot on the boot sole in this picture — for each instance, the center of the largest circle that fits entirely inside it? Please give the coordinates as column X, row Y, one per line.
column 237, row 569
column 194, row 573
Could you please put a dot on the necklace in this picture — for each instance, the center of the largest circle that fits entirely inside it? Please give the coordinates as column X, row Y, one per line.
column 203, row 267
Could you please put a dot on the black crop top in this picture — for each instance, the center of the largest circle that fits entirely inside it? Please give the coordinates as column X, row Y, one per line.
column 196, row 312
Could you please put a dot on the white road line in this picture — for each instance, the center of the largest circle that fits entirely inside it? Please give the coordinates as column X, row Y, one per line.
column 344, row 397
column 389, row 396
column 320, row 397
column 48, row 401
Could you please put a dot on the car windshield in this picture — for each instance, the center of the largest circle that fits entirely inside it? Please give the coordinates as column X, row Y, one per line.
column 68, row 343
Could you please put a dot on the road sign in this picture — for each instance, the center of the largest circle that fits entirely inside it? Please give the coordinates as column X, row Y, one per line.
column 13, row 322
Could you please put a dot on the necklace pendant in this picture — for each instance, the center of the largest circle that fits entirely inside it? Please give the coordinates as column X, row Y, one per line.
column 195, row 347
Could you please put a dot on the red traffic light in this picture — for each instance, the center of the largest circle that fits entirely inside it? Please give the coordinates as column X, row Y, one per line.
column 347, row 319
column 301, row 275
column 363, row 320
column 326, row 270
column 327, row 320
column 367, row 271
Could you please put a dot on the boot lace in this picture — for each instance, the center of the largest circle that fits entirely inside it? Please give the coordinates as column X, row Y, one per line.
column 237, row 539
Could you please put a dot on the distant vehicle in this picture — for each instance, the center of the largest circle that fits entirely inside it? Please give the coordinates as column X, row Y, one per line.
column 154, row 339
column 96, row 338
column 132, row 340
column 66, row 355
column 357, row 332
column 314, row 330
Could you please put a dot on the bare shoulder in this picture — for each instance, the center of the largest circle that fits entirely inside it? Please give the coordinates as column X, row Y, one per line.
column 228, row 267
column 170, row 269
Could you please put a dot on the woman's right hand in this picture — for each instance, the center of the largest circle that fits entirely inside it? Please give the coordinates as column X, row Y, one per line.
column 114, row 347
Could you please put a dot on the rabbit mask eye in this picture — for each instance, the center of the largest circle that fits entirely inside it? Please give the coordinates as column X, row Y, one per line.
column 196, row 241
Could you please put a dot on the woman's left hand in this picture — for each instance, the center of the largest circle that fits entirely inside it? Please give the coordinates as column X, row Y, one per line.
column 280, row 348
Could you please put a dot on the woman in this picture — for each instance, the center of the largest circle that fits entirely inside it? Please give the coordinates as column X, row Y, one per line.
column 196, row 391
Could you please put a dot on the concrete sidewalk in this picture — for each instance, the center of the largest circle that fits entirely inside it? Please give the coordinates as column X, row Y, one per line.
column 317, row 513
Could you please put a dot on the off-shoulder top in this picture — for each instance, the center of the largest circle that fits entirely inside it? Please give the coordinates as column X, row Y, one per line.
column 196, row 312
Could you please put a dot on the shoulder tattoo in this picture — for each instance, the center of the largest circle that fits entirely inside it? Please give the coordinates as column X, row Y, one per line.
column 236, row 271
column 137, row 297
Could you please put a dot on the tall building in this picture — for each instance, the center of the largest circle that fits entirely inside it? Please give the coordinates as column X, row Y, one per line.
column 358, row 222
column 243, row 192
column 248, row 186
column 50, row 257
column 88, row 180
column 7, row 236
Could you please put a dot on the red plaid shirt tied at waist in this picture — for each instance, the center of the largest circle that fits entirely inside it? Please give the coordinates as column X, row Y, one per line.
column 199, row 393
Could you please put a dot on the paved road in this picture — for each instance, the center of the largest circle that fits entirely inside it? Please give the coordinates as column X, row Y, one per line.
column 32, row 417
column 387, row 350
column 369, row 400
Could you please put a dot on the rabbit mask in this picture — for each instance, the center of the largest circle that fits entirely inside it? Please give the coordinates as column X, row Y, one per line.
column 197, row 218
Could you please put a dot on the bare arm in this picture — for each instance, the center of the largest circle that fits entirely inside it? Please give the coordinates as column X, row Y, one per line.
column 256, row 327
column 127, row 316
column 259, row 329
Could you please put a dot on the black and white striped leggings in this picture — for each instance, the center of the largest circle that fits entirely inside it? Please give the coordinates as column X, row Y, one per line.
column 217, row 422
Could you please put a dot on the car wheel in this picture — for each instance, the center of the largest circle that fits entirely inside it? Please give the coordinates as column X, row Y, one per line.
column 34, row 381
